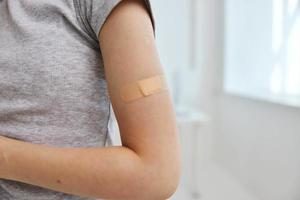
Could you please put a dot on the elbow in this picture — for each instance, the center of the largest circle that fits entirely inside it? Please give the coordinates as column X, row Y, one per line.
column 163, row 180
column 151, row 181
column 170, row 178
column 167, row 186
column 164, row 175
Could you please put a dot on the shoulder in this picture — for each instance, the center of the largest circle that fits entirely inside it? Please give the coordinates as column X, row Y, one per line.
column 96, row 12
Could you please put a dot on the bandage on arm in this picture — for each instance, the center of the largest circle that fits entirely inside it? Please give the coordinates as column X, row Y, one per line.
column 143, row 88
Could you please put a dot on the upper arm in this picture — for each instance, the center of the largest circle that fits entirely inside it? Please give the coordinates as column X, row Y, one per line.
column 147, row 125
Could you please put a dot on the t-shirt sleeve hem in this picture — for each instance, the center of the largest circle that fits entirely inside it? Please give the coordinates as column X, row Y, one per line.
column 107, row 10
column 110, row 7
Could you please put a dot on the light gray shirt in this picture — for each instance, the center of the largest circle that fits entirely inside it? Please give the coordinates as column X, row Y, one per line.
column 52, row 85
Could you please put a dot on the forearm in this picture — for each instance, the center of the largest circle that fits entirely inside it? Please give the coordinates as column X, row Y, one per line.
column 95, row 172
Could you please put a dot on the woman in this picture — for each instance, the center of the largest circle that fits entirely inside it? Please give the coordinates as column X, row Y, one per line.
column 61, row 64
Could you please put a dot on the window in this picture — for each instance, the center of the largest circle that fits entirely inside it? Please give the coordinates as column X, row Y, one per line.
column 262, row 49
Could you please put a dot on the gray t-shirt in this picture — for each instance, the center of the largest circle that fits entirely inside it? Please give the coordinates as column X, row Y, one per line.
column 52, row 85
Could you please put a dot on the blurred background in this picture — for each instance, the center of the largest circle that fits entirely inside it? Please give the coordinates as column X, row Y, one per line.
column 233, row 67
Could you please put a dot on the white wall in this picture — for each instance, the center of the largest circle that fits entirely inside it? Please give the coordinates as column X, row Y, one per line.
column 173, row 42
column 257, row 142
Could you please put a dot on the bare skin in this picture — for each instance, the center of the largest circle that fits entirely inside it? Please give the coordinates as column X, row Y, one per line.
column 147, row 165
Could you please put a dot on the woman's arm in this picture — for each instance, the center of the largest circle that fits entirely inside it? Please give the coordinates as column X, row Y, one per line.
column 147, row 166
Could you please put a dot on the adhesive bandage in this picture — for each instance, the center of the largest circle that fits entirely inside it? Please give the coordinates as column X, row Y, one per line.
column 143, row 88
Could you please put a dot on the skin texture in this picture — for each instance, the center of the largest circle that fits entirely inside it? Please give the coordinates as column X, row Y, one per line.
column 147, row 165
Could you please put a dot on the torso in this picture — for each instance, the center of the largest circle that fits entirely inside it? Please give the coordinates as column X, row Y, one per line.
column 52, row 85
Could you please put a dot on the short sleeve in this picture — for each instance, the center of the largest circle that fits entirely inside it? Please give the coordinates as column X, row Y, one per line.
column 97, row 11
